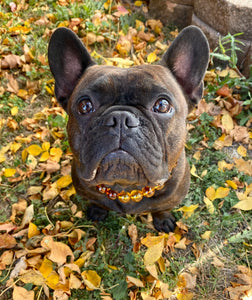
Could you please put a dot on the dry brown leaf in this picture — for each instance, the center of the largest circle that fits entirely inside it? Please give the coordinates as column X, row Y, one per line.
column 136, row 282
column 59, row 251
column 7, row 241
column 18, row 208
column 20, row 293
column 132, row 231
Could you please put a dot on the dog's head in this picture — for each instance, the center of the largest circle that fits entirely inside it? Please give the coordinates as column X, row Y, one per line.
column 127, row 127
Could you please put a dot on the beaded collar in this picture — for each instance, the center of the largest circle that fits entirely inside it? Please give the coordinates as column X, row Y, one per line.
column 124, row 197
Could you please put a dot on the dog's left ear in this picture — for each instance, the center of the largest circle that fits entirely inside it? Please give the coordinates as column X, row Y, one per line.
column 188, row 58
column 68, row 59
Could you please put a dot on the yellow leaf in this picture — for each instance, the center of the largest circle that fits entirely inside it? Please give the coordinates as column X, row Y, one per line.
column 14, row 111
column 45, row 155
column 222, row 165
column 227, row 122
column 232, row 184
column 209, row 205
column 22, row 94
column 46, row 146
column 244, row 204
column 91, row 279
column 15, row 147
column 187, row 296
column 150, row 241
column 193, row 172
column 32, row 230
column 138, row 3
column 64, row 181
column 188, row 210
column 153, row 253
column 9, row 172
column 46, row 267
column 242, row 151
column 24, row 155
column 34, row 150
column 56, row 154
column 221, row 192
column 197, row 155
column 210, row 193
column 206, row 235
column 33, row 276
column 152, row 57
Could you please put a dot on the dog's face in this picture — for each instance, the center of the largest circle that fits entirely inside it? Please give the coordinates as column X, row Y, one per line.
column 120, row 126
column 127, row 127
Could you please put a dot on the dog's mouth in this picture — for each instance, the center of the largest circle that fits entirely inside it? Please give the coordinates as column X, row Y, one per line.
column 121, row 171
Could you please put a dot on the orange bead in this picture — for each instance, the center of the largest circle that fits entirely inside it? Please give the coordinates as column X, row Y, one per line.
column 159, row 187
column 123, row 197
column 148, row 191
column 101, row 188
column 136, row 195
column 111, row 194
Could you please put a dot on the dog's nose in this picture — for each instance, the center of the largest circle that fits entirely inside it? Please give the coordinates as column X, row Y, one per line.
column 122, row 119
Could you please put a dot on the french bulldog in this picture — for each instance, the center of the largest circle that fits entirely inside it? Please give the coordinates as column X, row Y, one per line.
column 127, row 126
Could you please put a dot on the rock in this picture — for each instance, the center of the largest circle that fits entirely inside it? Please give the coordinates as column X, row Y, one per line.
column 226, row 15
column 177, row 12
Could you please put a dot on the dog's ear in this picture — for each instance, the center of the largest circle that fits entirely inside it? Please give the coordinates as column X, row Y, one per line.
column 188, row 58
column 68, row 59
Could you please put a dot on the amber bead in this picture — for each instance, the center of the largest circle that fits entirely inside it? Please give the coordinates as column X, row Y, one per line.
column 123, row 197
column 101, row 189
column 136, row 195
column 148, row 191
column 159, row 187
column 111, row 194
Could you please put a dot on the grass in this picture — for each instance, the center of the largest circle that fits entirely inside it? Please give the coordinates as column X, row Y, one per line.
column 112, row 252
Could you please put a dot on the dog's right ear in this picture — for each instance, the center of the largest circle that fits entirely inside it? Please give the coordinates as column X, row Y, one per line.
column 68, row 59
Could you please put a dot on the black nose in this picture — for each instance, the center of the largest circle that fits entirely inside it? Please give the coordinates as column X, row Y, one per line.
column 122, row 119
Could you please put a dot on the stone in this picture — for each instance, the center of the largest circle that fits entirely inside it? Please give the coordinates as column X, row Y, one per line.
column 174, row 12
column 226, row 15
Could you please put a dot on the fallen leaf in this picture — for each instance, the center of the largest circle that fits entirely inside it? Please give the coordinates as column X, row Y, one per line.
column 32, row 230
column 9, row 172
column 137, row 282
column 220, row 193
column 206, row 235
column 20, row 293
column 153, row 253
column 7, row 241
column 227, row 122
column 59, row 252
column 244, row 204
column 188, row 210
column 34, row 150
column 244, row 166
column 64, row 181
column 217, row 263
column 91, row 279
column 193, row 172
column 242, row 151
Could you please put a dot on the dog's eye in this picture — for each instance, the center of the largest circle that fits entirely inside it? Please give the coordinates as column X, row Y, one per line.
column 162, row 106
column 85, row 106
